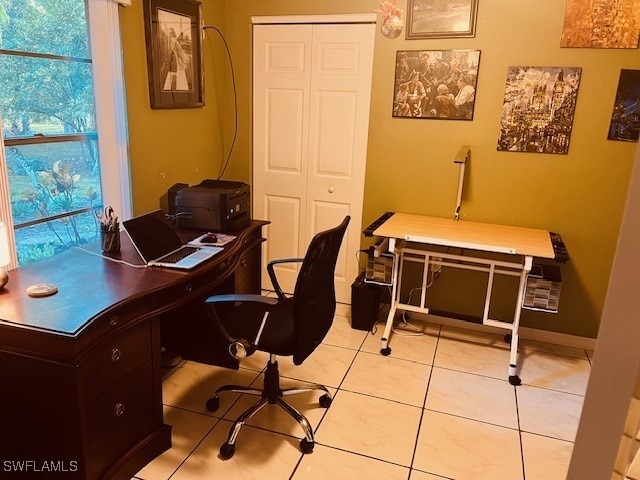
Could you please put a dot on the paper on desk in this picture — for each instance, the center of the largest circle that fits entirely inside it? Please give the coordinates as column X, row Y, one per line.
column 223, row 239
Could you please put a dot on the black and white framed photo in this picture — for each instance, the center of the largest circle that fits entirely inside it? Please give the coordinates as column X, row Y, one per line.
column 173, row 30
column 436, row 84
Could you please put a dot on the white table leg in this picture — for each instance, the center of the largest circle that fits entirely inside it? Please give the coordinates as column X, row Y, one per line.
column 514, row 379
column 395, row 292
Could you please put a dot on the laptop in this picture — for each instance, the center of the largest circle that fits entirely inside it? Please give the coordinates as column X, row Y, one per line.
column 159, row 244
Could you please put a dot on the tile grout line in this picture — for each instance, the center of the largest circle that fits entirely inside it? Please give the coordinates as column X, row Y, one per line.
column 515, row 394
column 296, row 466
column 218, row 422
column 424, row 403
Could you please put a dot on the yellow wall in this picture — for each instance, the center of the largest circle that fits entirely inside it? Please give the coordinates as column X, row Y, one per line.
column 410, row 161
column 175, row 145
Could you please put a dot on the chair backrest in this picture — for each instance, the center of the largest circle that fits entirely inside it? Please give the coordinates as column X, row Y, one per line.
column 314, row 296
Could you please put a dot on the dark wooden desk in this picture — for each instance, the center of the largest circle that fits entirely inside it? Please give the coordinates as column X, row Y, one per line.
column 80, row 374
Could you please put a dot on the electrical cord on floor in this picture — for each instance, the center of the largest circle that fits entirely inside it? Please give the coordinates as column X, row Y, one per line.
column 408, row 329
column 374, row 327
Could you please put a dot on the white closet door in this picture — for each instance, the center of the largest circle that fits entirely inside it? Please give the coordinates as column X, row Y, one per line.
column 312, row 88
column 281, row 85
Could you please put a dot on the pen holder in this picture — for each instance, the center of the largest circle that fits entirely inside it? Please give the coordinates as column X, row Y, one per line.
column 110, row 241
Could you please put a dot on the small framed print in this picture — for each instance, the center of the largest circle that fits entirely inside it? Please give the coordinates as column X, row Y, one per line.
column 173, row 31
column 441, row 18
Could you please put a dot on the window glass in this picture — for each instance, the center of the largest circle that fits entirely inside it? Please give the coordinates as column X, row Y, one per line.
column 41, row 96
column 48, row 121
column 55, row 27
column 52, row 178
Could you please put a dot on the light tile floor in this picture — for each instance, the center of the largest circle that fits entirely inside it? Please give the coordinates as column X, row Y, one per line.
column 439, row 407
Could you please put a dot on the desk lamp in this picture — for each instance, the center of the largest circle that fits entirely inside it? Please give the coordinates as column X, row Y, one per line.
column 5, row 259
column 461, row 159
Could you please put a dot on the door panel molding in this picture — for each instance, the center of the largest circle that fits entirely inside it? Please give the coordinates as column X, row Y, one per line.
column 311, row 126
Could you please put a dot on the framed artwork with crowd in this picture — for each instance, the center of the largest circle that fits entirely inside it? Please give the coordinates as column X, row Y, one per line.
column 436, row 84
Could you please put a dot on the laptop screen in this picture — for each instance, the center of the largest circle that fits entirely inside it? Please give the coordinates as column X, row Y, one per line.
column 153, row 235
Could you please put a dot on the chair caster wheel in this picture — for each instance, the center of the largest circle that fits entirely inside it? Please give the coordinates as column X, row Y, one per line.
column 515, row 380
column 227, row 451
column 306, row 446
column 385, row 351
column 325, row 401
column 507, row 338
column 213, row 404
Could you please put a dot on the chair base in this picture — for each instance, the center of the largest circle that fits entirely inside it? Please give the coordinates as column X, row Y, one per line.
column 270, row 394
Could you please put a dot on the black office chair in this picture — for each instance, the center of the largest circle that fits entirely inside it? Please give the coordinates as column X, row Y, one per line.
column 286, row 326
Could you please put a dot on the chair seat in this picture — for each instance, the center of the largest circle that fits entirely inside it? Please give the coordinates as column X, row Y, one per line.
column 277, row 337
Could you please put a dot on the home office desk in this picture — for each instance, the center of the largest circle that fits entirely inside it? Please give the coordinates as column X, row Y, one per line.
column 80, row 371
column 494, row 249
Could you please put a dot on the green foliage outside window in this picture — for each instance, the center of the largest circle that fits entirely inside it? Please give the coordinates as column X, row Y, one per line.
column 48, row 113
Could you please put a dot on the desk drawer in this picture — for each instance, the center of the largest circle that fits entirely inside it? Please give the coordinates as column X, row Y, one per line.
column 247, row 274
column 114, row 358
column 120, row 417
column 112, row 321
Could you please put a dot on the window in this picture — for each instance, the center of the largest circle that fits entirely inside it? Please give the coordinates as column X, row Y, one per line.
column 64, row 149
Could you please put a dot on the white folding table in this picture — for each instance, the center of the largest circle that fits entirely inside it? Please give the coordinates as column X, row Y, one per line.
column 518, row 244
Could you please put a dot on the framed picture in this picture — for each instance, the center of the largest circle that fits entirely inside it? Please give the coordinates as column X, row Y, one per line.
column 436, row 84
column 625, row 119
column 173, row 30
column 601, row 24
column 538, row 109
column 441, row 18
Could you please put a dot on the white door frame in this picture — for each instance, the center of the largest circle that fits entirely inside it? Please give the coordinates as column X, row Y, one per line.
column 339, row 18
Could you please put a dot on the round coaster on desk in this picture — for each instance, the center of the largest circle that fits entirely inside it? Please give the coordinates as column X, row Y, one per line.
column 42, row 290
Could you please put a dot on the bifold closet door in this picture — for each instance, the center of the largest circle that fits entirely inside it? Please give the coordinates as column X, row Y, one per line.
column 312, row 88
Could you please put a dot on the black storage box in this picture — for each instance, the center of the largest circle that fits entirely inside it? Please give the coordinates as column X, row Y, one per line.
column 542, row 291
column 365, row 304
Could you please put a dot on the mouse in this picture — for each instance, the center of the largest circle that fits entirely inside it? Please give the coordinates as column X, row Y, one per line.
column 209, row 238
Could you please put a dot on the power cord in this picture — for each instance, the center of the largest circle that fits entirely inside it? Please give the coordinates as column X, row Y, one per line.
column 358, row 252
column 115, row 260
column 408, row 330
column 235, row 99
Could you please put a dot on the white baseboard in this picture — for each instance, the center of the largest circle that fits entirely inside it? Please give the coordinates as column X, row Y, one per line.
column 527, row 333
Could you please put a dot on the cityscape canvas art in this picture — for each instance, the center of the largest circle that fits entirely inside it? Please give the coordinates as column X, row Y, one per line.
column 538, row 109
column 625, row 120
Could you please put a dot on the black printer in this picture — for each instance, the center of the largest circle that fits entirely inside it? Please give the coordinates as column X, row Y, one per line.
column 214, row 205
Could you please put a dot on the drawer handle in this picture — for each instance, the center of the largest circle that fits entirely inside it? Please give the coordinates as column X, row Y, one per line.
column 115, row 354
column 119, row 410
column 243, row 263
column 188, row 287
column 113, row 321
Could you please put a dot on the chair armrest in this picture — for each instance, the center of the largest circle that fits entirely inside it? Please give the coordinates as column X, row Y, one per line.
column 237, row 297
column 239, row 348
column 272, row 274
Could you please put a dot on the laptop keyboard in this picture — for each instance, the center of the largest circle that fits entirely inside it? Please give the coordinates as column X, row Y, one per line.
column 176, row 256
